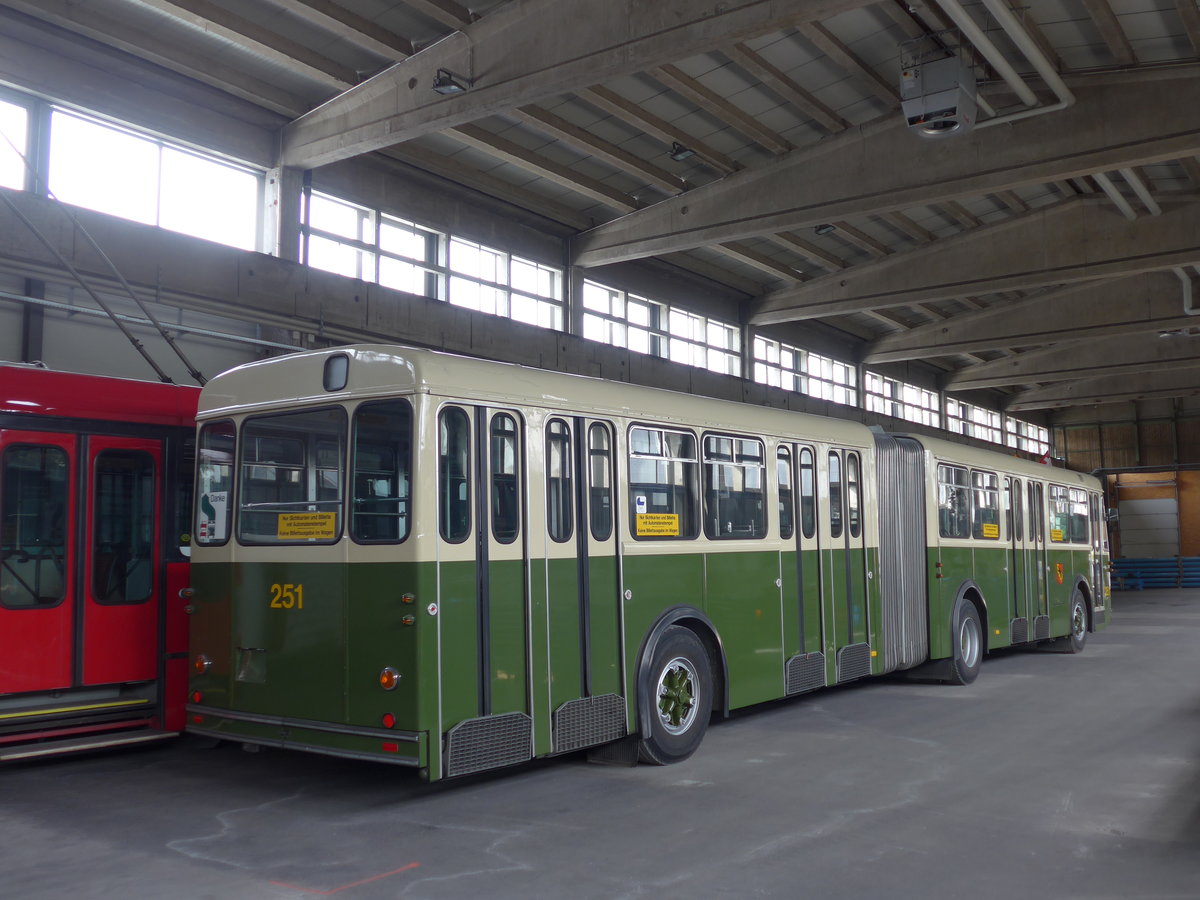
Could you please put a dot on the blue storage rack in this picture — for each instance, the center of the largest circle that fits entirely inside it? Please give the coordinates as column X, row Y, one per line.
column 1169, row 572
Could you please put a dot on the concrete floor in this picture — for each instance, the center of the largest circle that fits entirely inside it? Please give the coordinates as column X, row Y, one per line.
column 1051, row 776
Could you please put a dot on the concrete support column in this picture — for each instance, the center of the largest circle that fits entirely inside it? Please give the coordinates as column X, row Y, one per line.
column 573, row 300
column 279, row 231
column 33, row 319
column 747, row 352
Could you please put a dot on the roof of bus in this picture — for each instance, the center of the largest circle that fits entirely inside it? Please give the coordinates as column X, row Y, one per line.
column 999, row 459
column 44, row 392
column 380, row 370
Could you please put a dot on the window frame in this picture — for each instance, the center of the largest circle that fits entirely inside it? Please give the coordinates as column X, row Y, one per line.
column 149, row 476
column 959, row 513
column 687, row 488
column 711, row 463
column 66, row 528
column 404, row 470
column 560, row 459
column 310, row 466
column 464, row 443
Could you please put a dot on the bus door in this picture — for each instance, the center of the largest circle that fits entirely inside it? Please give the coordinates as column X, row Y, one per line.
column 37, row 561
column 585, row 666
column 120, row 633
column 1018, row 563
column 843, row 571
column 1096, row 526
column 802, row 568
column 484, row 582
column 1038, row 598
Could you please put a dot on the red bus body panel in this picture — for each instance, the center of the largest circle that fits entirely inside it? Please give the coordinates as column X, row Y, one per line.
column 79, row 671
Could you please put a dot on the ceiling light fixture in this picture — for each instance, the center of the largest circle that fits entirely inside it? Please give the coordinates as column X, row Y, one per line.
column 825, row 228
column 679, row 152
column 444, row 82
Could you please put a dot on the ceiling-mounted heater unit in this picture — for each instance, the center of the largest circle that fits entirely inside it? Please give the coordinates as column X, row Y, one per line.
column 937, row 85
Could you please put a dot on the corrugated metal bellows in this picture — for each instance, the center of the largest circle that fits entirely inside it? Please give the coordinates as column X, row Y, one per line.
column 853, row 661
column 1019, row 629
column 1041, row 628
column 489, row 742
column 806, row 672
column 588, row 721
column 902, row 552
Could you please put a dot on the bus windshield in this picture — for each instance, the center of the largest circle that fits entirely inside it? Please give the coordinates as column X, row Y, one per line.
column 291, row 478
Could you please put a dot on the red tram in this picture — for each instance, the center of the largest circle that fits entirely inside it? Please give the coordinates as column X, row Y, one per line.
column 95, row 482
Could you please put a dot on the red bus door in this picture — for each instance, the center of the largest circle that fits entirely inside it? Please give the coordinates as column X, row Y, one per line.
column 120, row 575
column 37, row 607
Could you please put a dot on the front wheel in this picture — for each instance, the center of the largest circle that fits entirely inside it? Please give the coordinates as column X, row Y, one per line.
column 1079, row 622
column 678, row 695
column 968, row 643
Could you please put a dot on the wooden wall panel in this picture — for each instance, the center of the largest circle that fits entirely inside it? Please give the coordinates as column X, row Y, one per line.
column 1119, row 444
column 1157, row 439
column 1189, row 513
column 1189, row 441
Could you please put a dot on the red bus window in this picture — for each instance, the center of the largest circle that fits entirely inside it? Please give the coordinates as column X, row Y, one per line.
column 123, row 527
column 33, row 544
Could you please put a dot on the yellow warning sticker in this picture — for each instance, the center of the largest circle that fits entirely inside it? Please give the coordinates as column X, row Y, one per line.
column 657, row 525
column 1056, row 534
column 307, row 526
column 991, row 530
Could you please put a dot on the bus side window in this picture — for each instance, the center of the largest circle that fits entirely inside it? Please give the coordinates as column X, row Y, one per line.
column 663, row 481
column 382, row 470
column 985, row 509
column 559, row 482
column 1078, row 517
column 600, row 482
column 808, row 493
column 852, row 495
column 506, row 489
column 33, row 539
column 835, row 494
column 734, row 476
column 783, row 472
column 954, row 502
column 1018, row 519
column 454, row 473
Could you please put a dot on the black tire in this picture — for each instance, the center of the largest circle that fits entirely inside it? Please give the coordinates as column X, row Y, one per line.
column 966, row 638
column 1078, row 623
column 677, row 694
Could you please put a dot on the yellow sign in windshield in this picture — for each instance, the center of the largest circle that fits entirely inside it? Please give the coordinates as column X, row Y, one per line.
column 307, row 526
column 658, row 525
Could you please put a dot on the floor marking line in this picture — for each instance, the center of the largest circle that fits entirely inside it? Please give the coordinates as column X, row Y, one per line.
column 346, row 887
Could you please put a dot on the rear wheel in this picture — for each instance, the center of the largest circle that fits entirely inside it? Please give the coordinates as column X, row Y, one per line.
column 1079, row 622
column 968, row 643
column 678, row 695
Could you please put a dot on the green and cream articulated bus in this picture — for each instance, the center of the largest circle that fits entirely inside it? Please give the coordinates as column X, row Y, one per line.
column 455, row 565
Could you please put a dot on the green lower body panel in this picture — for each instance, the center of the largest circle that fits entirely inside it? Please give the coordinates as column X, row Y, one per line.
column 398, row 747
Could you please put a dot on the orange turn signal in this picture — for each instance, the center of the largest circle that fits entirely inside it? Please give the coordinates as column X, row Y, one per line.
column 389, row 678
column 201, row 664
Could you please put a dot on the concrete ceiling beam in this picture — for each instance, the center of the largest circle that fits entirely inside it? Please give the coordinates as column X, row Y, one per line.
column 1108, row 389
column 526, row 52
column 1123, row 354
column 1074, row 241
column 882, row 167
column 1089, row 310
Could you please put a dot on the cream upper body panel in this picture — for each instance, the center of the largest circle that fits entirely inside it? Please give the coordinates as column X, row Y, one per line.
column 1002, row 462
column 377, row 371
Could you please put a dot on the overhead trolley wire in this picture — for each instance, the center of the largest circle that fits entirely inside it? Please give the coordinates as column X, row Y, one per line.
column 138, row 345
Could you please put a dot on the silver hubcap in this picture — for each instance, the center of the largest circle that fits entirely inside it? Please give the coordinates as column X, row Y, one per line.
column 678, row 700
column 1078, row 621
column 968, row 642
